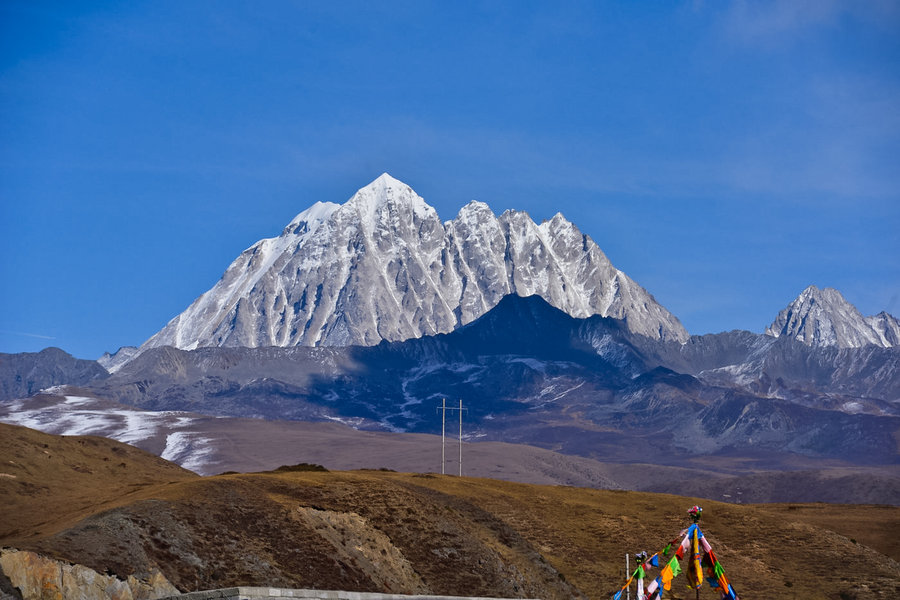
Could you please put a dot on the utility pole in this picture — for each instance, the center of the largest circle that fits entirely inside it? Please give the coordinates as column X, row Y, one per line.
column 444, row 408
column 460, row 437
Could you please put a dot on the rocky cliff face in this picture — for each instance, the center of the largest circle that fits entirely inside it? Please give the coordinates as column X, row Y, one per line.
column 382, row 266
column 36, row 577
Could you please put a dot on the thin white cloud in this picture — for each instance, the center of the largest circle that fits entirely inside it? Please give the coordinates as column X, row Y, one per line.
column 31, row 335
column 761, row 21
column 773, row 22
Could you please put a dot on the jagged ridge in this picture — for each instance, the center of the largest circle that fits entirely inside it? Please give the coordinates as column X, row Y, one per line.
column 382, row 266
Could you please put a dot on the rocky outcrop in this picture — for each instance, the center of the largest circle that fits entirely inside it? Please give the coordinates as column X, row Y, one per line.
column 37, row 577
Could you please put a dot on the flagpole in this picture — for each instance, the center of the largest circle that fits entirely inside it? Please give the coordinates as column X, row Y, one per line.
column 627, row 574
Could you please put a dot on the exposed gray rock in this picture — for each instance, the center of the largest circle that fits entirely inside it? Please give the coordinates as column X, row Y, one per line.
column 382, row 266
column 24, row 374
column 824, row 318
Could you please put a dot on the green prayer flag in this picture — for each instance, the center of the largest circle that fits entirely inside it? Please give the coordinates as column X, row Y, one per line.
column 718, row 570
column 667, row 549
column 640, row 572
column 675, row 566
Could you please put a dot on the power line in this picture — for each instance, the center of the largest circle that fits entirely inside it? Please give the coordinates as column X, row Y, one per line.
column 444, row 408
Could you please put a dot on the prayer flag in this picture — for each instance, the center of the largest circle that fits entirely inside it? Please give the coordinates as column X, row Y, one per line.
column 654, row 585
column 667, row 577
column 695, row 571
column 658, row 588
column 718, row 570
column 676, row 568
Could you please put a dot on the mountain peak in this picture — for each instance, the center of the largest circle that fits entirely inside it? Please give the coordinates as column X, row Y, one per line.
column 386, row 186
column 386, row 180
column 387, row 191
column 823, row 317
column 382, row 266
column 474, row 212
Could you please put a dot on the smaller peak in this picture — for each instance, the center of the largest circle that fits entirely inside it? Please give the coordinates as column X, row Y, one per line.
column 473, row 214
column 317, row 213
column 475, row 207
column 823, row 317
column 815, row 294
column 559, row 220
column 477, row 204
column 826, row 298
column 512, row 213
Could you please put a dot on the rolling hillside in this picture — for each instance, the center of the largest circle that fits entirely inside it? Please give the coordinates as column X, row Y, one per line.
column 379, row 530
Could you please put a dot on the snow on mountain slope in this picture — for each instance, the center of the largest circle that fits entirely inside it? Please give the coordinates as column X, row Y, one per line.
column 382, row 266
column 887, row 327
column 174, row 435
column 824, row 318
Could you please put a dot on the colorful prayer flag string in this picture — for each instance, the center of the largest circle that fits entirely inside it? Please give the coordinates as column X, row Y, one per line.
column 701, row 555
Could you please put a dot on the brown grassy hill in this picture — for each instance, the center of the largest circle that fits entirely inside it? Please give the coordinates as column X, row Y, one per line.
column 378, row 531
column 51, row 481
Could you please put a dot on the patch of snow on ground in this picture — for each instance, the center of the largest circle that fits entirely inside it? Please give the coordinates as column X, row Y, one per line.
column 52, row 390
column 354, row 422
column 852, row 407
column 79, row 415
column 189, row 449
column 78, row 400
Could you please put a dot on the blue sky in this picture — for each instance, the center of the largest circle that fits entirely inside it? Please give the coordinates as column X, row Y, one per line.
column 725, row 155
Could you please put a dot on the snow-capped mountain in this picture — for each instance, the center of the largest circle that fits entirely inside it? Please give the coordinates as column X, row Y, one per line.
column 824, row 318
column 382, row 266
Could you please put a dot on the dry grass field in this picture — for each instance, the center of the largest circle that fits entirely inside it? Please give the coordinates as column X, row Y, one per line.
column 117, row 509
